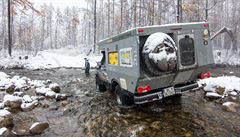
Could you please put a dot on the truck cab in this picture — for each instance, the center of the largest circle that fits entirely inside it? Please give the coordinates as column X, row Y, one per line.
column 151, row 63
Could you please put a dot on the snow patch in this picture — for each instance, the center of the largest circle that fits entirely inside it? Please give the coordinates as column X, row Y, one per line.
column 1, row 105
column 3, row 130
column 11, row 98
column 51, row 94
column 3, row 75
column 4, row 113
column 213, row 95
column 134, row 133
column 55, row 58
column 27, row 99
column 42, row 90
column 231, row 83
column 53, row 85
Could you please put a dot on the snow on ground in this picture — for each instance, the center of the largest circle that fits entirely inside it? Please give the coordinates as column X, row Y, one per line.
column 229, row 85
column 4, row 113
column 25, row 83
column 229, row 82
column 64, row 57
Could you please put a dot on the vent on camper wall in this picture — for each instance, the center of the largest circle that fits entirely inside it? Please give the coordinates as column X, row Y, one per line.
column 186, row 46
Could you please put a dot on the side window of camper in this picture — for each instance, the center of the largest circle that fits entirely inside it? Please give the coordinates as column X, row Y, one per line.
column 103, row 61
column 113, row 58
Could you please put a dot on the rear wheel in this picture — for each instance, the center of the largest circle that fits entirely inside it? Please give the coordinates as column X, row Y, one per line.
column 123, row 98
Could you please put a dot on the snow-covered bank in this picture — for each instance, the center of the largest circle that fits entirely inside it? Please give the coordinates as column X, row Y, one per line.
column 64, row 57
column 22, row 94
column 230, row 83
column 225, row 89
column 221, row 87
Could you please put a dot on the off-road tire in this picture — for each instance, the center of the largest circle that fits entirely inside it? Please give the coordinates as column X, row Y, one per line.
column 102, row 88
column 123, row 98
column 158, row 69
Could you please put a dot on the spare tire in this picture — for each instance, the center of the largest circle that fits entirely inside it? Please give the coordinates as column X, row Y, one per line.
column 159, row 54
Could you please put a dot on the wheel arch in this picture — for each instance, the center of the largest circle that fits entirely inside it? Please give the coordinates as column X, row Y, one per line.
column 114, row 83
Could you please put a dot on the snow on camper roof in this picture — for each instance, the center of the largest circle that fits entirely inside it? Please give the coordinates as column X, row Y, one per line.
column 134, row 31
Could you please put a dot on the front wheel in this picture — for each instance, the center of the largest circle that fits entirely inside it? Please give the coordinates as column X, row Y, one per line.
column 123, row 98
column 101, row 87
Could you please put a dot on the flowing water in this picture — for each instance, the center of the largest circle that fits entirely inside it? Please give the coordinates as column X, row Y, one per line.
column 90, row 113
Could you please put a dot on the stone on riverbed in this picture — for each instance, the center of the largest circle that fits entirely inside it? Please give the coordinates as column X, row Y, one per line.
column 60, row 97
column 10, row 89
column 50, row 94
column 27, row 99
column 230, row 106
column 28, row 106
column 31, row 92
column 55, row 87
column 20, row 94
column 1, row 105
column 220, row 90
column 213, row 95
column 4, row 132
column 6, row 119
column 38, row 128
column 11, row 101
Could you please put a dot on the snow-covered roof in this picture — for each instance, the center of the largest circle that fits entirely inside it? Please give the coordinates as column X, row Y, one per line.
column 110, row 39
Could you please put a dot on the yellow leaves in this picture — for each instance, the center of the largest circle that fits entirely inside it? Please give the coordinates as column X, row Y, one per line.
column 25, row 4
column 75, row 21
column 189, row 8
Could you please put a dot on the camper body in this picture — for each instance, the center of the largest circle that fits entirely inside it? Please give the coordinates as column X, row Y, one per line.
column 124, row 70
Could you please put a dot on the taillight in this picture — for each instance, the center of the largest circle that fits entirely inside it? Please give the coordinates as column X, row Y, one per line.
column 205, row 25
column 140, row 30
column 205, row 75
column 144, row 89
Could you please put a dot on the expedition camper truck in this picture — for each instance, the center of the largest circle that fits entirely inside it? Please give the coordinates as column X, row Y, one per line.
column 151, row 63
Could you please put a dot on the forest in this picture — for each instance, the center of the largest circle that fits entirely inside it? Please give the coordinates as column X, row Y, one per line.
column 35, row 29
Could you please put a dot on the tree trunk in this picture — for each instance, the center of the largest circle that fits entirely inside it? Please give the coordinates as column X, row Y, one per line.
column 108, row 29
column 95, row 26
column 3, row 25
column 9, row 29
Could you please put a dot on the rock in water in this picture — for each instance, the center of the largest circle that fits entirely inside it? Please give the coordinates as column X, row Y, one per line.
column 60, row 97
column 6, row 119
column 4, row 132
column 31, row 92
column 11, row 89
column 11, row 101
column 220, row 90
column 1, row 105
column 55, row 87
column 213, row 95
column 38, row 128
column 28, row 106
column 230, row 106
column 50, row 94
column 27, row 99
